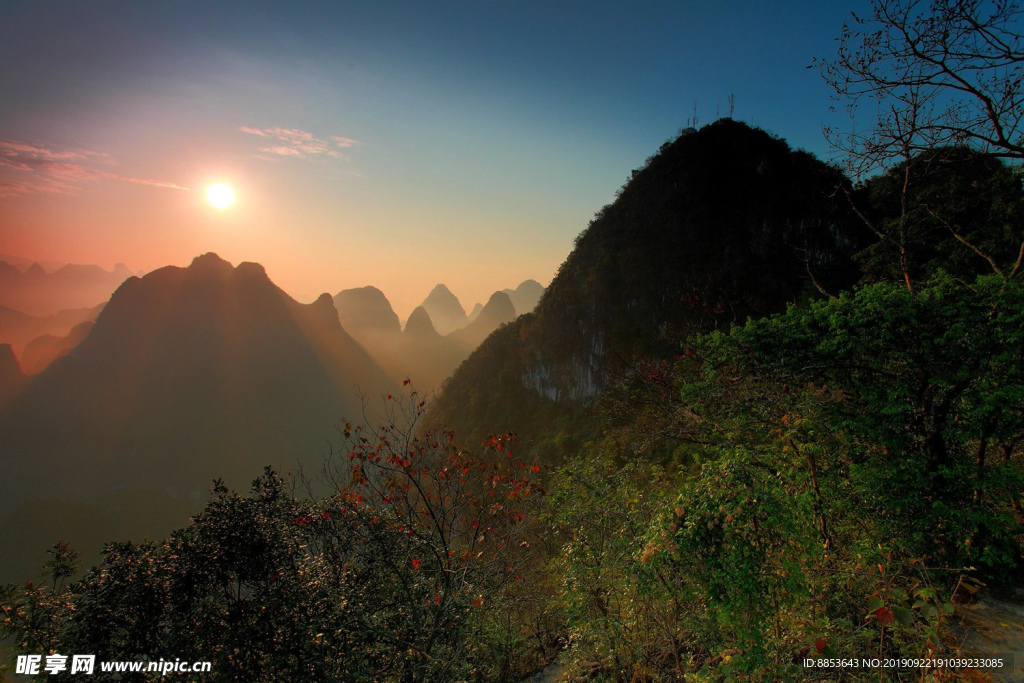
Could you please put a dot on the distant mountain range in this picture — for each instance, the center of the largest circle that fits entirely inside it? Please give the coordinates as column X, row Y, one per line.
column 422, row 351
column 37, row 292
column 24, row 264
column 526, row 296
column 19, row 329
column 188, row 374
column 121, row 415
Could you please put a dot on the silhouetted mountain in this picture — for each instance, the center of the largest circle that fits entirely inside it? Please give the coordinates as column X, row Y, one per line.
column 188, row 374
column 18, row 329
column 39, row 293
column 498, row 311
column 421, row 353
column 12, row 379
column 45, row 349
column 425, row 356
column 23, row 264
column 720, row 224
column 366, row 313
column 525, row 296
column 445, row 310
column 419, row 326
column 477, row 307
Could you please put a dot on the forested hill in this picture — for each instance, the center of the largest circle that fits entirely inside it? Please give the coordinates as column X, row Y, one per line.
column 721, row 224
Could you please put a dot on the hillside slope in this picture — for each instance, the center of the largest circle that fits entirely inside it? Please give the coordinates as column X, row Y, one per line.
column 720, row 224
column 188, row 374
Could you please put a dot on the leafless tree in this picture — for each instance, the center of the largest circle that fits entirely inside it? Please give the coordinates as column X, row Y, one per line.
column 936, row 74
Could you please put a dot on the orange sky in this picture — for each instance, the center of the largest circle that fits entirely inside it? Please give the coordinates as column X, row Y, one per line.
column 393, row 144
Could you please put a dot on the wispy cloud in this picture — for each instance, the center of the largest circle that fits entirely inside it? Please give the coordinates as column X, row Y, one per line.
column 343, row 141
column 58, row 171
column 300, row 144
column 18, row 188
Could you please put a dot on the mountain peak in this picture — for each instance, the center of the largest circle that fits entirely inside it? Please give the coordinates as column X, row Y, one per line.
column 420, row 324
column 366, row 310
column 446, row 312
column 440, row 289
column 212, row 370
column 499, row 309
column 210, row 263
column 526, row 296
column 248, row 269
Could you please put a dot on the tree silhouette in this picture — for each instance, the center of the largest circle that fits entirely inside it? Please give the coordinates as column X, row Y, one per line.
column 943, row 73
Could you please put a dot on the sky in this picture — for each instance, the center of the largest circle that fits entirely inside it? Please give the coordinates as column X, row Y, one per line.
column 394, row 144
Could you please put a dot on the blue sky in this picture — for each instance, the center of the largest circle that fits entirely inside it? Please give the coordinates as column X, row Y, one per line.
column 394, row 144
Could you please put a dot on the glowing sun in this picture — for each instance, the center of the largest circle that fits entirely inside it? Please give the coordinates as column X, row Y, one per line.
column 221, row 196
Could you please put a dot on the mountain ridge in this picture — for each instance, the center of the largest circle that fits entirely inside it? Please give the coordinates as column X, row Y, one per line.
column 720, row 224
column 211, row 370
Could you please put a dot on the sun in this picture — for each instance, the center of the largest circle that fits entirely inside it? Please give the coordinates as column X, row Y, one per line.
column 221, row 196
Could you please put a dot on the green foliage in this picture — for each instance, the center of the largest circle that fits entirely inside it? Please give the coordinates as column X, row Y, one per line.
column 624, row 614
column 846, row 469
column 915, row 401
column 399, row 575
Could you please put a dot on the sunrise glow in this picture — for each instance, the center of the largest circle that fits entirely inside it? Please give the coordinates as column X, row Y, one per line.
column 221, row 196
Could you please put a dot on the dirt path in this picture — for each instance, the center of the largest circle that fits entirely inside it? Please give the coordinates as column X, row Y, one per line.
column 991, row 627
column 552, row 673
column 996, row 627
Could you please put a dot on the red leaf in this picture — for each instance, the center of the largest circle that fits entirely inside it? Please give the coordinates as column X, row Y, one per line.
column 885, row 616
column 416, row 564
column 536, row 468
column 819, row 645
column 405, row 383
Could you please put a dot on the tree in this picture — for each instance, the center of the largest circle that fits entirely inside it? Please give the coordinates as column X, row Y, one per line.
column 396, row 575
column 945, row 73
column 941, row 75
column 913, row 401
column 964, row 214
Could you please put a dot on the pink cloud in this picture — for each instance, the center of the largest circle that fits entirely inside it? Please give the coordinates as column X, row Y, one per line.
column 11, row 148
column 20, row 188
column 52, row 171
column 301, row 144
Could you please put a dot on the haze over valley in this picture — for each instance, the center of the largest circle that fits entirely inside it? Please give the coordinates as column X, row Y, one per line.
column 189, row 375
